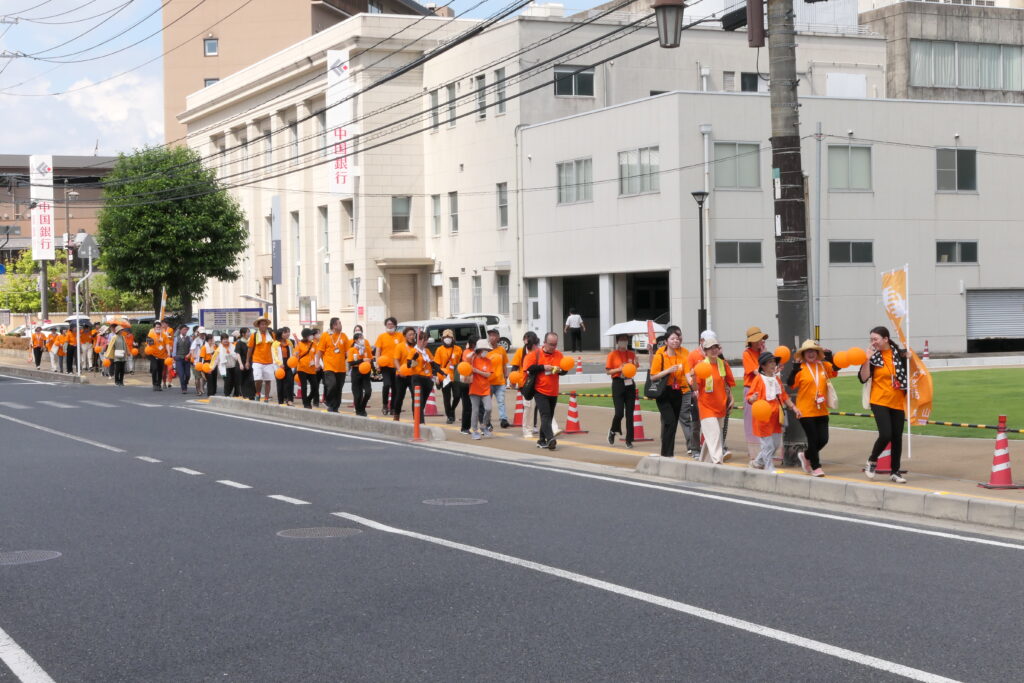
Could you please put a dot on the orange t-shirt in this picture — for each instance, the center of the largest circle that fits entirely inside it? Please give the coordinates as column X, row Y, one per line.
column 883, row 389
column 696, row 356
column 354, row 355
column 809, row 384
column 751, row 366
column 333, row 348
column 448, row 358
column 389, row 344
column 305, row 353
column 547, row 384
column 156, row 345
column 38, row 340
column 774, row 425
column 261, row 344
column 480, row 385
column 616, row 359
column 714, row 403
column 420, row 365
column 499, row 359
column 663, row 361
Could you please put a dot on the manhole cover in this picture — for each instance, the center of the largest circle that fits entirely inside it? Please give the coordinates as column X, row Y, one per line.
column 455, row 501
column 26, row 556
column 319, row 532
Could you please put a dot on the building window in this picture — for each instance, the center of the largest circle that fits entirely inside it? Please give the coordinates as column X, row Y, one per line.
column 481, row 96
column 738, row 252
column 849, row 167
column 297, row 250
column 348, row 217
column 501, row 282
column 639, row 171
column 400, row 208
column 752, row 82
column 211, row 47
column 293, row 140
column 453, row 295
column 478, row 293
column 207, row 82
column 453, row 212
column 850, row 252
column 575, row 181
column 374, row 7
column 435, row 113
column 325, row 254
column 435, row 215
column 737, row 165
column 956, row 252
column 451, row 105
column 502, row 192
column 944, row 64
column 956, row 170
column 729, row 81
column 499, row 82
column 570, row 82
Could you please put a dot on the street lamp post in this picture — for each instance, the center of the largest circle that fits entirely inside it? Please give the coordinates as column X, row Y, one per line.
column 68, row 196
column 700, row 196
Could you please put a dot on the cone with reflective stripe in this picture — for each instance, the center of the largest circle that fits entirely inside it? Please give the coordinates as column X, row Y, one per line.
column 431, row 409
column 1001, row 477
column 579, row 365
column 638, row 421
column 517, row 419
column 925, row 355
column 884, row 464
column 572, row 420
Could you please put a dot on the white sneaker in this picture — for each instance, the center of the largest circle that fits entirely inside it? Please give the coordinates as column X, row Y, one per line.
column 804, row 465
column 869, row 470
column 897, row 479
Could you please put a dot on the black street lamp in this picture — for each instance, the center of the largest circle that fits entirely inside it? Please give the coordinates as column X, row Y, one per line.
column 700, row 196
column 669, row 15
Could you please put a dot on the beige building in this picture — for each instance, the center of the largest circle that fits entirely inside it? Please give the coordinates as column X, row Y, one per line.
column 206, row 42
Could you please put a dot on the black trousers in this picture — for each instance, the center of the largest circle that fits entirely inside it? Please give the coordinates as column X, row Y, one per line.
column 424, row 385
column 398, row 392
column 286, row 387
column 37, row 355
column 669, row 404
column 118, row 367
column 310, row 388
column 362, row 389
column 248, row 389
column 461, row 395
column 816, row 429
column 624, row 398
column 451, row 396
column 546, row 407
column 890, row 431
column 232, row 381
column 389, row 387
column 576, row 338
column 211, row 382
column 156, row 370
column 319, row 384
column 334, row 382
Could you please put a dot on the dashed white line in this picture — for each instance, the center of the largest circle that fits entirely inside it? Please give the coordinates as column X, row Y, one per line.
column 146, row 458
column 20, row 662
column 286, row 499
column 97, row 444
column 26, row 380
column 233, row 484
column 13, row 406
column 99, row 404
column 56, row 404
column 185, row 470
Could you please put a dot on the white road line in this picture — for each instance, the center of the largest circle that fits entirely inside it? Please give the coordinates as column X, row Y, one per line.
column 667, row 603
column 20, row 662
column 286, row 499
column 26, row 380
column 99, row 404
column 146, row 458
column 14, row 406
column 656, row 487
column 185, row 470
column 56, row 404
column 233, row 484
column 97, row 444
column 144, row 405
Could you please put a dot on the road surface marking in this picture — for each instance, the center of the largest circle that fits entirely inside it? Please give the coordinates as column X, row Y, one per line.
column 185, row 470
column 99, row 404
column 26, row 380
column 645, row 485
column 14, row 406
column 667, row 603
column 146, row 458
column 55, row 404
column 145, row 405
column 286, row 499
column 20, row 662
column 97, row 444
column 233, row 484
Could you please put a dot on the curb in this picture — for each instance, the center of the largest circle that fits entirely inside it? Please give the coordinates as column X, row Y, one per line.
column 875, row 496
column 43, row 375
column 402, row 431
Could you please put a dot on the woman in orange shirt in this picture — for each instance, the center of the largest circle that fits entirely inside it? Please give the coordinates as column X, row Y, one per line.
column 404, row 362
column 362, row 388
column 389, row 344
column 767, row 387
column 714, row 401
column 887, row 370
column 755, row 347
column 623, row 389
column 671, row 363
column 332, row 354
column 447, row 357
column 156, row 349
column 38, row 342
column 305, row 353
column 812, row 369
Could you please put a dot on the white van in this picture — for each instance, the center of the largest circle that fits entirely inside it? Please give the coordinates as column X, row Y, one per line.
column 492, row 321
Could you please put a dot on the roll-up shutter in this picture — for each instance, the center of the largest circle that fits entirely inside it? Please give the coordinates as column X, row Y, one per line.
column 995, row 314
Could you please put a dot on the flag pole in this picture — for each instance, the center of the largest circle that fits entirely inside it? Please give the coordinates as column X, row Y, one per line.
column 910, row 421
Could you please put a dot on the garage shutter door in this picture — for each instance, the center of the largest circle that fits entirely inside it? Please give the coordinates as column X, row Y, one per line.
column 995, row 314
column 402, row 299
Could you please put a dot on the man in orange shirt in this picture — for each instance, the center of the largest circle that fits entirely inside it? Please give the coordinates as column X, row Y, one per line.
column 714, row 400
column 543, row 363
column 388, row 346
column 755, row 347
column 332, row 352
column 418, row 364
column 156, row 349
column 499, row 361
column 261, row 358
column 38, row 342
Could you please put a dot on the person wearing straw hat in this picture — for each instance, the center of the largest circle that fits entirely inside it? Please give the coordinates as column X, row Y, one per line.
column 260, row 357
column 714, row 400
column 755, row 347
column 766, row 387
column 118, row 351
column 812, row 370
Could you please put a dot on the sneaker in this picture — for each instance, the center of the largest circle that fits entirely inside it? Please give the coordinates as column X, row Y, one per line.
column 504, row 423
column 542, row 444
column 450, row 421
column 629, row 444
column 552, row 445
column 818, row 473
column 489, row 429
column 727, row 456
column 611, row 438
column 869, row 470
column 897, row 479
column 756, row 465
column 476, row 436
column 804, row 465
column 464, row 431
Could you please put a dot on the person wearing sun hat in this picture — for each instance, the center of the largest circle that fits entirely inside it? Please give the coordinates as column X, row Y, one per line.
column 261, row 358
column 812, row 369
column 766, row 387
column 755, row 347
column 714, row 400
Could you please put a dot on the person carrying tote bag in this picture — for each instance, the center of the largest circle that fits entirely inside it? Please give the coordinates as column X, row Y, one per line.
column 810, row 380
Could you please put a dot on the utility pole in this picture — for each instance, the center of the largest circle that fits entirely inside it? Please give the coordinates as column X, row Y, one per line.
column 67, row 239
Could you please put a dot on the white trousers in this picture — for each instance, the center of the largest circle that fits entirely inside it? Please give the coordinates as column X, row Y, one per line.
column 711, row 431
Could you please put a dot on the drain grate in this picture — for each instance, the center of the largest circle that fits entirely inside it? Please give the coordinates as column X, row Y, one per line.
column 319, row 532
column 454, row 501
column 27, row 556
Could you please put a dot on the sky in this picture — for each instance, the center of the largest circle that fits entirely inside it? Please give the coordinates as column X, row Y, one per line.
column 73, row 106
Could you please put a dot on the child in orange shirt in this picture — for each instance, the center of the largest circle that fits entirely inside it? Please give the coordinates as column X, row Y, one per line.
column 765, row 386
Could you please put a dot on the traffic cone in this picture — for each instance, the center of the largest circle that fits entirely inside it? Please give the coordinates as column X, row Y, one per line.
column 579, row 365
column 638, row 421
column 1001, row 477
column 517, row 419
column 431, row 409
column 572, row 420
column 884, row 464
column 925, row 355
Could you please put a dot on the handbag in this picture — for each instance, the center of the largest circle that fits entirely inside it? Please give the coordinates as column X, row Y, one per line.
column 118, row 354
column 865, row 395
column 653, row 388
column 831, row 396
column 529, row 388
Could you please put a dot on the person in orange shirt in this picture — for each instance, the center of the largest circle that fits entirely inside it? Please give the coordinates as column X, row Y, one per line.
column 887, row 369
column 261, row 359
column 812, row 369
column 332, row 354
column 130, row 338
column 156, row 349
column 670, row 362
column 499, row 361
column 53, row 346
column 447, row 357
column 755, row 346
column 305, row 353
column 281, row 351
column 766, row 387
column 480, row 391
column 417, row 362
column 362, row 387
column 623, row 389
column 714, row 400
column 389, row 344
column 544, row 363
column 38, row 343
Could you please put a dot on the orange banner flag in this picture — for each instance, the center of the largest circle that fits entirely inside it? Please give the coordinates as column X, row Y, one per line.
column 897, row 305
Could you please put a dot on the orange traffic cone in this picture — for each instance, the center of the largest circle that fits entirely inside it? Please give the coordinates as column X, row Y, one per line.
column 1001, row 477
column 572, row 420
column 431, row 409
column 638, row 421
column 579, row 365
column 925, row 355
column 517, row 419
column 884, row 464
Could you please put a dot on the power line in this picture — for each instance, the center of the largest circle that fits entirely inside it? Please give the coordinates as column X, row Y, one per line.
column 29, row 9
column 83, row 33
column 41, row 20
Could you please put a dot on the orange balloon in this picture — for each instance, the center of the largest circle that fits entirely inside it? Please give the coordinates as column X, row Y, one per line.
column 702, row 370
column 841, row 360
column 465, row 368
column 168, row 362
column 629, row 371
column 386, row 361
column 297, row 378
column 207, row 368
column 783, row 354
column 761, row 410
column 567, row 363
column 149, row 350
column 106, row 362
column 365, row 367
column 135, row 352
column 293, row 362
column 857, row 355
column 515, row 378
column 279, row 373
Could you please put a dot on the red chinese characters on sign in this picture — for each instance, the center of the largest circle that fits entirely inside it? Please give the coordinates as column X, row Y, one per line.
column 340, row 149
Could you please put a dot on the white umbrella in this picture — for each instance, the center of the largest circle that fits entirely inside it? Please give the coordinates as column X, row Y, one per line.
column 632, row 327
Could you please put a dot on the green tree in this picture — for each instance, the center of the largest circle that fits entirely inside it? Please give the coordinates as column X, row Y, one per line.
column 20, row 289
column 166, row 221
column 103, row 297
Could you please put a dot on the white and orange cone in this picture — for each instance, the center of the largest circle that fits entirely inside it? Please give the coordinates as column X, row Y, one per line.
column 884, row 464
column 517, row 419
column 572, row 421
column 925, row 355
column 579, row 365
column 638, row 421
column 1001, row 477
column 431, row 409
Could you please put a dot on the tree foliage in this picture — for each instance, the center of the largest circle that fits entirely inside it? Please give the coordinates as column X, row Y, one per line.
column 20, row 289
column 167, row 222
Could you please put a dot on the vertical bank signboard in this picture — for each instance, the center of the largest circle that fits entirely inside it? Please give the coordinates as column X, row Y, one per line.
column 41, row 192
column 341, row 124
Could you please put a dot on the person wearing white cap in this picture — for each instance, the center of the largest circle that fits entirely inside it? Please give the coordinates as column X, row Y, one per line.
column 714, row 399
column 480, row 390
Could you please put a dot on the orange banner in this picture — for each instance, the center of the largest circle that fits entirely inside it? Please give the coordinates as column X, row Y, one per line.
column 897, row 305
column 894, row 298
column 921, row 391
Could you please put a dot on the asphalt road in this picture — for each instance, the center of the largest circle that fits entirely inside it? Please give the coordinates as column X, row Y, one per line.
column 171, row 575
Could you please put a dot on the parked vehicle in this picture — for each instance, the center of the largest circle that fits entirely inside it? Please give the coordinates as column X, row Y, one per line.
column 491, row 321
column 463, row 329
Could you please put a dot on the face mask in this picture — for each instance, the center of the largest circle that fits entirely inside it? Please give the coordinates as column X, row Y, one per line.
column 390, row 328
column 447, row 341
column 622, row 345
